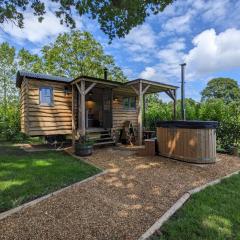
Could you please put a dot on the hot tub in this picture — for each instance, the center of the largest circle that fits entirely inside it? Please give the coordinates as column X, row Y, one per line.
column 190, row 141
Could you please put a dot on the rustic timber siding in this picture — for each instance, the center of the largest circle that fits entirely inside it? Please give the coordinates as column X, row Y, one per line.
column 191, row 145
column 46, row 120
column 24, row 106
column 120, row 115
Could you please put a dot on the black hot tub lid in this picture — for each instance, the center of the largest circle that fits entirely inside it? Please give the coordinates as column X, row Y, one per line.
column 188, row 124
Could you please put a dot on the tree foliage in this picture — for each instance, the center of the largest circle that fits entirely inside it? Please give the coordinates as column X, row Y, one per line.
column 78, row 53
column 9, row 121
column 7, row 71
column 116, row 17
column 216, row 109
column 30, row 62
column 71, row 55
column 228, row 117
column 222, row 88
column 156, row 110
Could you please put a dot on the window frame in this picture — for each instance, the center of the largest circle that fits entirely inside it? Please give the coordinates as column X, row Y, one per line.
column 51, row 96
column 129, row 108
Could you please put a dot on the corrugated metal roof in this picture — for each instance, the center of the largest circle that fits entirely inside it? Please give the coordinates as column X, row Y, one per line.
column 151, row 82
column 21, row 74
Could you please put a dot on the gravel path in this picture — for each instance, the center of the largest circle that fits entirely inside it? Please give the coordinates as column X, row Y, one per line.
column 121, row 204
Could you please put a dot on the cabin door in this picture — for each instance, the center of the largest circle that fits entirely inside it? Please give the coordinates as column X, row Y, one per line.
column 107, row 108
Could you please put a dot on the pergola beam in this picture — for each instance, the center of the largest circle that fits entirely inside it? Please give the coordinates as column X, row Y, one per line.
column 173, row 95
column 79, row 89
column 135, row 90
column 145, row 89
column 90, row 88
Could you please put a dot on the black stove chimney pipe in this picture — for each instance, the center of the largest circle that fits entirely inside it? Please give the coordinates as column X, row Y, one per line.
column 105, row 74
column 183, row 107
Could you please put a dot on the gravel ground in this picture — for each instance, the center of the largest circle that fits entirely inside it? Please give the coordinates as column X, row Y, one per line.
column 121, row 204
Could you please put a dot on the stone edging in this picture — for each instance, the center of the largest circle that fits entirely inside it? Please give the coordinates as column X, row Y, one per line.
column 29, row 204
column 178, row 204
column 83, row 159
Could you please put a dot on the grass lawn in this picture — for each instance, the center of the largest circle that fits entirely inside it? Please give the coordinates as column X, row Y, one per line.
column 211, row 214
column 26, row 176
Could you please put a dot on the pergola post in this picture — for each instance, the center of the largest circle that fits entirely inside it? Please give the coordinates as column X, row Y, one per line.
column 83, row 117
column 140, row 92
column 83, row 92
column 140, row 105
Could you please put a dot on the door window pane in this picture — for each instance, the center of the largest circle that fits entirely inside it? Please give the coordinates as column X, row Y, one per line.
column 126, row 103
column 132, row 103
column 129, row 103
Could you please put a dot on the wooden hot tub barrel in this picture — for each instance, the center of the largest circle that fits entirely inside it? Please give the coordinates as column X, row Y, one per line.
column 190, row 141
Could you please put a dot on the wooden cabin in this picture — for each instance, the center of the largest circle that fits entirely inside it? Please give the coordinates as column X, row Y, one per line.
column 52, row 105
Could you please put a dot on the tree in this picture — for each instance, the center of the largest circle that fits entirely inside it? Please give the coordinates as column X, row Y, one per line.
column 7, row 71
column 28, row 61
column 116, row 17
column 156, row 110
column 213, row 109
column 71, row 55
column 8, row 92
column 228, row 117
column 221, row 88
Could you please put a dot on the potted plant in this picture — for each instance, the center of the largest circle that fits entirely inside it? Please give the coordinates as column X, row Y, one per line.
column 84, row 147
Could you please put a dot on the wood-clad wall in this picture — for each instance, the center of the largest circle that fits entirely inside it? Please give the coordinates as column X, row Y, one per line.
column 47, row 120
column 24, row 106
column 120, row 115
column 38, row 120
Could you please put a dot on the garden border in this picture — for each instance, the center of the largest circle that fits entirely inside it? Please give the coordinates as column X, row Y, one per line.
column 40, row 199
column 178, row 204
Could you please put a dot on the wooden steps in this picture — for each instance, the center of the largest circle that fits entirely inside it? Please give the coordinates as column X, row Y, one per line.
column 101, row 137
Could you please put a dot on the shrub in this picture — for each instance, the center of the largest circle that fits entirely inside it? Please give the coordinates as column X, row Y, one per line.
column 228, row 117
column 10, row 122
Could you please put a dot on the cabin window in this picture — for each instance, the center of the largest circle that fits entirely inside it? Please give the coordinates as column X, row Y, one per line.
column 129, row 103
column 46, row 96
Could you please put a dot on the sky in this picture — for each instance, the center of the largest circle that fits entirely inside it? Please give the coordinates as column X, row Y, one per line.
column 205, row 34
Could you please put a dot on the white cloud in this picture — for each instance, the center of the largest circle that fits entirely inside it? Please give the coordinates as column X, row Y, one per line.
column 148, row 73
column 178, row 24
column 34, row 31
column 167, row 68
column 215, row 10
column 140, row 38
column 214, row 52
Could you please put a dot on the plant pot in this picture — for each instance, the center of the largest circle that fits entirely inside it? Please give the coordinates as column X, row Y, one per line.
column 235, row 151
column 83, row 150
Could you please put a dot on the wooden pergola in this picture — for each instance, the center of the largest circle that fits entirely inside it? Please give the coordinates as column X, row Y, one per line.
column 83, row 85
column 142, row 87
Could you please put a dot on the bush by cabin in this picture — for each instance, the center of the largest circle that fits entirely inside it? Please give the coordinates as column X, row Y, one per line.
column 57, row 106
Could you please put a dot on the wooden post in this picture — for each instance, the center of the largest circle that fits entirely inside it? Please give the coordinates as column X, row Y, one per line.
column 144, row 111
column 83, row 92
column 140, row 106
column 73, row 118
column 83, row 112
column 79, row 111
column 140, row 92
